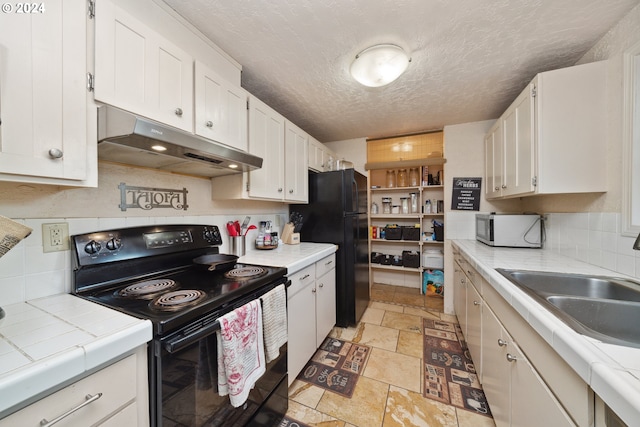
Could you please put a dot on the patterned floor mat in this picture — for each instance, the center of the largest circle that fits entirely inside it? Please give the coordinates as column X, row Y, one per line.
column 290, row 422
column 450, row 376
column 336, row 366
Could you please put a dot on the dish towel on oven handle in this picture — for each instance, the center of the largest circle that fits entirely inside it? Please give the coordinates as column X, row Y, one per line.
column 274, row 318
column 240, row 352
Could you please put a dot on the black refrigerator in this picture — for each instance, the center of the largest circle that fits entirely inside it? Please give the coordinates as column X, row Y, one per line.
column 337, row 213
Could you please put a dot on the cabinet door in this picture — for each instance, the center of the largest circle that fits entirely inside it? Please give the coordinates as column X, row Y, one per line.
column 495, row 368
column 474, row 326
column 519, row 146
column 325, row 305
column 43, row 95
column 532, row 403
column 266, row 140
column 301, row 319
column 220, row 109
column 316, row 155
column 140, row 71
column 296, row 164
column 494, row 164
column 460, row 297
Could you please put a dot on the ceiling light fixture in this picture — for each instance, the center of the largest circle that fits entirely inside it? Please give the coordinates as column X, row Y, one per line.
column 379, row 65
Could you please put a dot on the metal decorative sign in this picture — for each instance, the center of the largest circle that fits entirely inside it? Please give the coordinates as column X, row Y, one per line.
column 149, row 198
column 466, row 194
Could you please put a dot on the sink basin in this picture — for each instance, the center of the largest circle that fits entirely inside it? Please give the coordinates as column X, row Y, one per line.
column 602, row 307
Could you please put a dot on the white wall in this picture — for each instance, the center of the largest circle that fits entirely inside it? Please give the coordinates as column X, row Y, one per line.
column 353, row 150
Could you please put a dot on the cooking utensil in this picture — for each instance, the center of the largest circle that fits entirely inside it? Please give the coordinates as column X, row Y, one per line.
column 243, row 227
column 251, row 227
column 216, row 262
column 296, row 219
column 236, row 225
column 231, row 229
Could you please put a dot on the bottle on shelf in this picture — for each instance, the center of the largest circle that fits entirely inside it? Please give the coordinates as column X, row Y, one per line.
column 386, row 205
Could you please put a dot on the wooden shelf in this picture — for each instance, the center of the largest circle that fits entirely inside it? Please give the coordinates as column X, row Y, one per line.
column 406, row 163
column 395, row 268
column 395, row 241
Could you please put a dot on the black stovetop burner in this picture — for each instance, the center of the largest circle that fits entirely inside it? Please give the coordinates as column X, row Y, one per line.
column 148, row 272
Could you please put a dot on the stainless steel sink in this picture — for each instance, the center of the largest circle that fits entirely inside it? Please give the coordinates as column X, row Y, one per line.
column 602, row 307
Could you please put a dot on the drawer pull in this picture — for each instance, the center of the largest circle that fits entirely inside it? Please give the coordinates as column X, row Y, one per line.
column 476, row 303
column 329, row 262
column 304, row 277
column 89, row 399
column 501, row 342
column 511, row 358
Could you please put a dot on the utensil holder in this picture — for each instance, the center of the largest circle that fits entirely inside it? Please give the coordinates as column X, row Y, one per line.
column 237, row 245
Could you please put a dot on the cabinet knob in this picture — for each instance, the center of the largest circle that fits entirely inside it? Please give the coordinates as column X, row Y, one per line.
column 501, row 342
column 55, row 153
column 476, row 303
column 497, row 188
column 291, row 191
column 313, row 290
column 209, row 124
column 504, row 186
column 321, row 285
column 511, row 357
column 178, row 112
column 280, row 190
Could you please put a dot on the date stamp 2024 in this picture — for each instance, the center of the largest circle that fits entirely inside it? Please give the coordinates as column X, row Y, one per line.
column 23, row 8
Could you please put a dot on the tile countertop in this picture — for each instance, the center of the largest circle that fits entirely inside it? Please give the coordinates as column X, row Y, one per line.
column 612, row 371
column 294, row 257
column 46, row 342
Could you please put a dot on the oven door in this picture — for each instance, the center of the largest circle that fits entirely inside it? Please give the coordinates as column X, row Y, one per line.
column 184, row 384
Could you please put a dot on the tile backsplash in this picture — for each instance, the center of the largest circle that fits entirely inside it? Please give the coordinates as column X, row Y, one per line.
column 592, row 237
column 26, row 272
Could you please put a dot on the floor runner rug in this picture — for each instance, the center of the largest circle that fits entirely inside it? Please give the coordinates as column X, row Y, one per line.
column 336, row 366
column 290, row 422
column 450, row 376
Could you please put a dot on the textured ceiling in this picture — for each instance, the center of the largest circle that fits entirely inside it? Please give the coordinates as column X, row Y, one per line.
column 470, row 58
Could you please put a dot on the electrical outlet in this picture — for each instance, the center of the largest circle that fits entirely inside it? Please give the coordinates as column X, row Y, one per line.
column 55, row 237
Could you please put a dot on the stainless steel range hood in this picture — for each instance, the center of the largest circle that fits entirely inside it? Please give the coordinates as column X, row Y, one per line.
column 126, row 138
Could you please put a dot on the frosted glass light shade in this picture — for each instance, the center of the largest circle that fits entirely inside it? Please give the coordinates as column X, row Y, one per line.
column 379, row 65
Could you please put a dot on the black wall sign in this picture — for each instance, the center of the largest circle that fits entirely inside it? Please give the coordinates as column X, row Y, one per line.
column 466, row 194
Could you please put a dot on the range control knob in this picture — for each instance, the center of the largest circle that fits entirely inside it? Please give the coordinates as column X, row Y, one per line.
column 92, row 247
column 212, row 236
column 114, row 244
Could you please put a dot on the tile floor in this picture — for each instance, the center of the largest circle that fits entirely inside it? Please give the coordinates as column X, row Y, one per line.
column 389, row 392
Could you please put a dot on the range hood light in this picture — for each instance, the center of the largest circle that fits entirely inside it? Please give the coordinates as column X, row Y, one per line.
column 233, row 166
column 159, row 147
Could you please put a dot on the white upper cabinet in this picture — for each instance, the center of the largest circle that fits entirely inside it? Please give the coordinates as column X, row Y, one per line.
column 266, row 140
column 220, row 109
column 140, row 71
column 284, row 152
column 46, row 131
column 296, row 159
column 321, row 159
column 552, row 138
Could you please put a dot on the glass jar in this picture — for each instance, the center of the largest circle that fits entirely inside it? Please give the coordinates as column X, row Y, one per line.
column 386, row 205
column 404, row 205
column 414, row 202
column 414, row 177
column 391, row 178
column 402, row 178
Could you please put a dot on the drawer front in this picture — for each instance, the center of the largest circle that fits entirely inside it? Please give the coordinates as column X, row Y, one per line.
column 301, row 280
column 116, row 382
column 325, row 265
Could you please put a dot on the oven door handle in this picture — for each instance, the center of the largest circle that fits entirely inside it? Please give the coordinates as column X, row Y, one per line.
column 177, row 344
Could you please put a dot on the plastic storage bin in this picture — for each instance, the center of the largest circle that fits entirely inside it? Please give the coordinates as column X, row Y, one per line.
column 393, row 233
column 433, row 258
column 410, row 233
column 411, row 259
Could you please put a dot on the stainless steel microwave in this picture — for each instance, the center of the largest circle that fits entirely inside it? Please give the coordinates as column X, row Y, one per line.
column 510, row 230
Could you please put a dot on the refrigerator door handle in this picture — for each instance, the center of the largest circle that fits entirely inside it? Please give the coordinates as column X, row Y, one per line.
column 356, row 202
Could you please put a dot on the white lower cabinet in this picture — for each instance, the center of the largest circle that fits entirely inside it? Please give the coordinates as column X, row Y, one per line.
column 110, row 397
column 311, row 311
column 525, row 381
